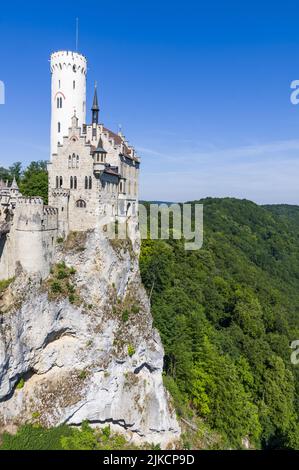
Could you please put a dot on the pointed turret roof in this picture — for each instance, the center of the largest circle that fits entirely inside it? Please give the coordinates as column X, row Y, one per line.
column 95, row 104
column 100, row 147
column 14, row 184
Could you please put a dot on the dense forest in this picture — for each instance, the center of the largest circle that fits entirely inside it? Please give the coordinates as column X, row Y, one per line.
column 227, row 314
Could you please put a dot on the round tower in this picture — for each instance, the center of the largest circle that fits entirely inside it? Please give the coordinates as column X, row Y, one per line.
column 68, row 93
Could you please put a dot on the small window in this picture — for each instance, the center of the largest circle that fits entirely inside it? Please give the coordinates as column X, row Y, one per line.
column 90, row 182
column 86, row 182
column 81, row 203
column 60, row 182
column 74, row 160
column 59, row 127
column 75, row 182
column 77, row 162
column 71, row 182
column 58, row 83
column 70, row 161
column 58, row 103
column 74, row 84
column 57, row 181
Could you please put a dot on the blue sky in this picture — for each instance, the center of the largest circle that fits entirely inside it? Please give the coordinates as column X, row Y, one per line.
column 202, row 89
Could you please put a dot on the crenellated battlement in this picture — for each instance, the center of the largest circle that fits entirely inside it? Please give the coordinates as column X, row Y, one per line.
column 67, row 59
column 22, row 200
column 50, row 210
column 60, row 192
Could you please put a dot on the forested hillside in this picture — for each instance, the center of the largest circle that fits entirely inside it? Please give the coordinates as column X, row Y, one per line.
column 227, row 314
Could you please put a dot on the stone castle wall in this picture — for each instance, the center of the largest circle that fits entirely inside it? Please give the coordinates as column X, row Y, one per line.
column 31, row 239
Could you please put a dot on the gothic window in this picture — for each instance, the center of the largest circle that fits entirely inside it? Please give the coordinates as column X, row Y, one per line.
column 86, row 182
column 59, row 127
column 81, row 203
column 57, row 182
column 75, row 182
column 60, row 182
column 90, row 183
column 77, row 162
column 70, row 161
column 71, row 182
column 74, row 160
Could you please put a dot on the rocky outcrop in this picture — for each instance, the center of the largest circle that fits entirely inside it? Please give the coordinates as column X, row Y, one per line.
column 90, row 356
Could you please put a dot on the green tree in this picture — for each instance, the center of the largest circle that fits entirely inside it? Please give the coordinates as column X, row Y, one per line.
column 34, row 181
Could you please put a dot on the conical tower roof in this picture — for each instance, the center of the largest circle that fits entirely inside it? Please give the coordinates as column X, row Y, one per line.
column 95, row 104
column 14, row 184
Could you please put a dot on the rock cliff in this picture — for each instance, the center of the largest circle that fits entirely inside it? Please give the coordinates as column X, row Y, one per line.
column 81, row 346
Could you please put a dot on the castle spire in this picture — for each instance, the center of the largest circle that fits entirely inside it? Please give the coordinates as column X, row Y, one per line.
column 14, row 184
column 95, row 106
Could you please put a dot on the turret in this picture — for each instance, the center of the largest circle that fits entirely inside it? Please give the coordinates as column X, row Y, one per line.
column 99, row 158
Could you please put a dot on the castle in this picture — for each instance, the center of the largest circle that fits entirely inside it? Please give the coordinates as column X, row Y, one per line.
column 93, row 178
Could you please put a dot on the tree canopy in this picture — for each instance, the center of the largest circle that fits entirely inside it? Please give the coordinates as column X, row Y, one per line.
column 227, row 314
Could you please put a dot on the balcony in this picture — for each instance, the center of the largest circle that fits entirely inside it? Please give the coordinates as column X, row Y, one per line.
column 98, row 167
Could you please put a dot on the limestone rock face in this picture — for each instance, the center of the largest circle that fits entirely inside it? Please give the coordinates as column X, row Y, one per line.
column 97, row 358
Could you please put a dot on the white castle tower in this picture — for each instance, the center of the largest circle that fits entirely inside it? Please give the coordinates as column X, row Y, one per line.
column 68, row 95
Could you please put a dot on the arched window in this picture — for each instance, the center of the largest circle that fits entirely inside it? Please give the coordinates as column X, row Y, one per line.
column 74, row 160
column 86, row 182
column 70, row 161
column 71, row 182
column 81, row 203
column 60, row 182
column 90, row 183
column 75, row 182
column 77, row 162
column 57, row 181
column 59, row 127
